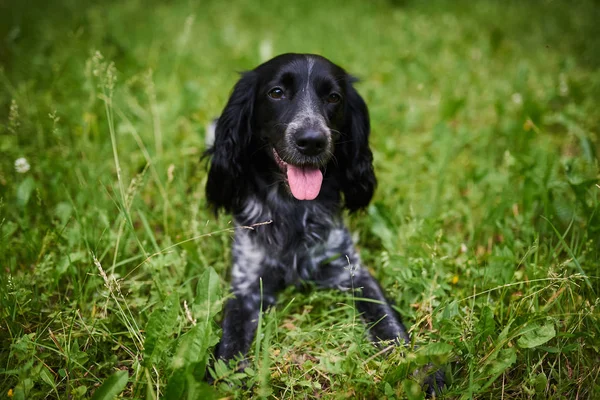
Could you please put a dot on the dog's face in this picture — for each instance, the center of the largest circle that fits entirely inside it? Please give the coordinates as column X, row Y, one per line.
column 298, row 112
column 292, row 119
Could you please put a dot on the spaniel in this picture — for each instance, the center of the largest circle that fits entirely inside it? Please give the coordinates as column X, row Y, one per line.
column 292, row 147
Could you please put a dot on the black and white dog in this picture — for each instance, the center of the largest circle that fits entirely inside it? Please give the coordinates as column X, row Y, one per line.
column 292, row 147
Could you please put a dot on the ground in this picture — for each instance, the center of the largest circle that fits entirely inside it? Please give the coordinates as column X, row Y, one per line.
column 484, row 230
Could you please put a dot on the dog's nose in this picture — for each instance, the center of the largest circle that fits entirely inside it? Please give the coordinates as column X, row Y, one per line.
column 311, row 142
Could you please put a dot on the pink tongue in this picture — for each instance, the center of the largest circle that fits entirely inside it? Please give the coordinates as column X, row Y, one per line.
column 305, row 183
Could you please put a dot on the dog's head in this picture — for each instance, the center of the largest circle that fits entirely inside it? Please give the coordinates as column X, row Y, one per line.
column 297, row 117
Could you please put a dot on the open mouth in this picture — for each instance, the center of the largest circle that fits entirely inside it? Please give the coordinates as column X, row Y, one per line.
column 304, row 182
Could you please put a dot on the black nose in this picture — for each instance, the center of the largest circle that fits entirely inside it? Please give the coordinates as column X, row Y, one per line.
column 311, row 142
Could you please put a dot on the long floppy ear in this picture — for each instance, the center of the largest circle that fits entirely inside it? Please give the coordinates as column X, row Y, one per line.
column 229, row 153
column 354, row 155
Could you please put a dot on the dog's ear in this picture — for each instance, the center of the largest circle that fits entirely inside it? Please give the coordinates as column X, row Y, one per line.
column 230, row 157
column 354, row 154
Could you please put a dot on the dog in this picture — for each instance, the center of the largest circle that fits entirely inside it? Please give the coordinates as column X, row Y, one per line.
column 292, row 148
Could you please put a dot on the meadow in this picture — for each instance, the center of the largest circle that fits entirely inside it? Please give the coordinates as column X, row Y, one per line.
column 484, row 229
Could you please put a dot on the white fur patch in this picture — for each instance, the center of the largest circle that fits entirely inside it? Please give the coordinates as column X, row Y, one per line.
column 248, row 259
column 210, row 129
column 253, row 210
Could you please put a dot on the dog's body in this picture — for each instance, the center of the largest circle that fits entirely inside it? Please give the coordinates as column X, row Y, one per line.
column 291, row 148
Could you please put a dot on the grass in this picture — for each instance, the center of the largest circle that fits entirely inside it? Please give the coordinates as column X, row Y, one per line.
column 485, row 228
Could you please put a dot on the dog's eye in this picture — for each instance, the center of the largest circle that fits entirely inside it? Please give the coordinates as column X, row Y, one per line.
column 334, row 98
column 276, row 93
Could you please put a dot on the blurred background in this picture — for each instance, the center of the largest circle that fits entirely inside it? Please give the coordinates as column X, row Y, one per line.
column 485, row 228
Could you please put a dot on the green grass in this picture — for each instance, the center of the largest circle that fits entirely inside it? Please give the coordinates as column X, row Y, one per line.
column 485, row 228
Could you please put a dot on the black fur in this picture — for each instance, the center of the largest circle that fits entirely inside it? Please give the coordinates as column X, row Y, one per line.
column 230, row 151
column 295, row 111
column 355, row 158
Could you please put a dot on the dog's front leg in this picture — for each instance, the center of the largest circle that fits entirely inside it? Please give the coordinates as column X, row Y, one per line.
column 253, row 283
column 240, row 321
column 342, row 270
column 383, row 322
column 239, row 325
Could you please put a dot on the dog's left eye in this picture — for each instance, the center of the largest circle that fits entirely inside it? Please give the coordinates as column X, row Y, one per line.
column 276, row 93
column 334, row 98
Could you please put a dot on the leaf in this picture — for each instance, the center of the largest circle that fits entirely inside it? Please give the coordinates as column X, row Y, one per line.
column 388, row 390
column 190, row 356
column 79, row 391
column 540, row 382
column 183, row 385
column 536, row 335
column 202, row 390
column 192, row 345
column 24, row 191
column 208, row 292
column 451, row 310
column 436, row 353
column 486, row 325
column 412, row 389
column 63, row 264
column 504, row 359
column 160, row 327
column 112, row 386
column 46, row 377
column 19, row 393
column 436, row 349
column 177, row 385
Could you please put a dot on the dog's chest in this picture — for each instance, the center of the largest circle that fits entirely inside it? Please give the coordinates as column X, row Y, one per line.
column 256, row 257
column 288, row 226
column 289, row 245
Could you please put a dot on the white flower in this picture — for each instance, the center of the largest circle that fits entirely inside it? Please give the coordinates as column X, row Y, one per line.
column 21, row 165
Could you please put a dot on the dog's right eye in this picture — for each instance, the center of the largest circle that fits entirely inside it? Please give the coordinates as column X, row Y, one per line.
column 276, row 93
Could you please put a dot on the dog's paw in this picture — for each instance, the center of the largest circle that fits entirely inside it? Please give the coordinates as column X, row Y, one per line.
column 433, row 384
